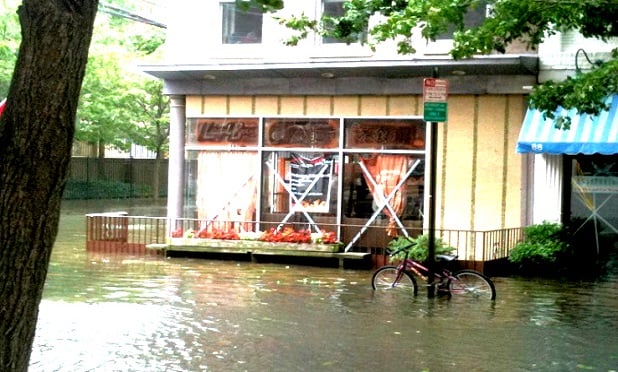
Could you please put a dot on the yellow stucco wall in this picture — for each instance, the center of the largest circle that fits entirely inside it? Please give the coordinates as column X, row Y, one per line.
column 479, row 173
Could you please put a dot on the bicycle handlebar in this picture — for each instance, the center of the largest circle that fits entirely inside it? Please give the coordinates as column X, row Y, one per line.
column 404, row 248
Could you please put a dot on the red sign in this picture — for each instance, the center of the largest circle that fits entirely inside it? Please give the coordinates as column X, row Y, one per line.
column 435, row 90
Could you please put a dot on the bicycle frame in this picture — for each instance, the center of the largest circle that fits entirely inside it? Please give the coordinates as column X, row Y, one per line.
column 460, row 282
column 422, row 271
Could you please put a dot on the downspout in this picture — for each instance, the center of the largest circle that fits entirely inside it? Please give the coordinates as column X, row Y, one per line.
column 176, row 167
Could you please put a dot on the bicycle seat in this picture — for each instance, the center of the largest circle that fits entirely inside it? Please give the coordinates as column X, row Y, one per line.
column 445, row 257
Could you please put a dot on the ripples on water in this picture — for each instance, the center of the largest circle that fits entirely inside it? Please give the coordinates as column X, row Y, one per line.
column 104, row 313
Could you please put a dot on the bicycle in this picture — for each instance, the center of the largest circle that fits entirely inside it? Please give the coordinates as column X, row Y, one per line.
column 466, row 282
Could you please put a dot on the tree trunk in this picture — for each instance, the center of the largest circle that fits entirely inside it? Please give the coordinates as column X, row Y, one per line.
column 36, row 134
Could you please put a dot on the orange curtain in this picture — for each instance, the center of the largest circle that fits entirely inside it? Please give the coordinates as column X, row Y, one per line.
column 387, row 171
column 226, row 190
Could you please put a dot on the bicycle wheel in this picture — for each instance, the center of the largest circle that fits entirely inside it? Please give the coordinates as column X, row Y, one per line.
column 387, row 277
column 472, row 284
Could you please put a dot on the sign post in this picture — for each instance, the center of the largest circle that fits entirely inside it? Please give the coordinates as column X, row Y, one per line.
column 435, row 94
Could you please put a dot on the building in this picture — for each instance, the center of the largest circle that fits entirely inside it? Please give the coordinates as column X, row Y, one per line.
column 572, row 174
column 323, row 133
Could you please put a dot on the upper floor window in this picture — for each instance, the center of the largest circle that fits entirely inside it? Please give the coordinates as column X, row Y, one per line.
column 240, row 26
column 334, row 8
column 473, row 18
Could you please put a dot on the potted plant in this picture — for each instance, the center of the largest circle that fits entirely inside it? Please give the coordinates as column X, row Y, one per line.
column 419, row 248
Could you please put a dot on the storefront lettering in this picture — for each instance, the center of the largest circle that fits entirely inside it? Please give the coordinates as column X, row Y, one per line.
column 297, row 133
column 228, row 131
column 388, row 134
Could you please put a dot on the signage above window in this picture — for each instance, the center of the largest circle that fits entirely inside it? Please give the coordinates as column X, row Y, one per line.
column 228, row 131
column 395, row 134
column 321, row 133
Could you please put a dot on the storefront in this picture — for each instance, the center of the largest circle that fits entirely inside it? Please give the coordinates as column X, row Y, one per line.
column 324, row 146
column 361, row 178
column 575, row 171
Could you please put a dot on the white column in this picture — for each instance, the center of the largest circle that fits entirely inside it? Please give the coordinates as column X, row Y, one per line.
column 176, row 176
column 547, row 195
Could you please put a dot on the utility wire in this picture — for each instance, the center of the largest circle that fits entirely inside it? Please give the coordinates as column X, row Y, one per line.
column 127, row 14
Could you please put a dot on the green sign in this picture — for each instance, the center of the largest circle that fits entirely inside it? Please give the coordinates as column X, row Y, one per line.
column 435, row 111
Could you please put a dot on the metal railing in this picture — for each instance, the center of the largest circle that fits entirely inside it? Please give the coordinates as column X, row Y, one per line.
column 118, row 232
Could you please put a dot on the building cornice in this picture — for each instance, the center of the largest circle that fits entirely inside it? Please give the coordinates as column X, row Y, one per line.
column 479, row 75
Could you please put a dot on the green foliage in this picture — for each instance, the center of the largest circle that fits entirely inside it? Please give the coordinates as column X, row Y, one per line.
column 9, row 43
column 544, row 243
column 104, row 190
column 526, row 21
column 586, row 92
column 118, row 105
column 419, row 248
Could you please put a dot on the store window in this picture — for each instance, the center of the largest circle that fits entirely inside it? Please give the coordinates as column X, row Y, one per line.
column 226, row 190
column 594, row 197
column 335, row 8
column 300, row 181
column 249, row 174
column 386, row 187
column 241, row 26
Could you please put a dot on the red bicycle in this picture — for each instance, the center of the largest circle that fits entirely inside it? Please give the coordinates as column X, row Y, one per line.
column 470, row 283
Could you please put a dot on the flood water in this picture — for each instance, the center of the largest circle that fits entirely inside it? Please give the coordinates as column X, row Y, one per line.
column 124, row 313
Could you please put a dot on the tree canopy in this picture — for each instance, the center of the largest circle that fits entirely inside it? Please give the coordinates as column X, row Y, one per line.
column 119, row 106
column 524, row 21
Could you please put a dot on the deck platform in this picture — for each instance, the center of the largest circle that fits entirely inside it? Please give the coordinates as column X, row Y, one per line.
column 267, row 252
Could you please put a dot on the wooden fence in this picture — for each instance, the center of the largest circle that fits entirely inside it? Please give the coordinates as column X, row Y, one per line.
column 126, row 170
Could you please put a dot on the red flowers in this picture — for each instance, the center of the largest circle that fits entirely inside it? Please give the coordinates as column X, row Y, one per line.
column 286, row 235
column 328, row 237
column 218, row 234
column 177, row 233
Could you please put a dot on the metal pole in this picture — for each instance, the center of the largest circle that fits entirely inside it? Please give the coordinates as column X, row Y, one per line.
column 431, row 248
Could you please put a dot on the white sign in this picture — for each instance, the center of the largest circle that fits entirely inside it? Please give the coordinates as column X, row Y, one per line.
column 435, row 90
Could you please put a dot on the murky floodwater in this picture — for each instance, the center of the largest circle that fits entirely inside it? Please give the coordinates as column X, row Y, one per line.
column 105, row 313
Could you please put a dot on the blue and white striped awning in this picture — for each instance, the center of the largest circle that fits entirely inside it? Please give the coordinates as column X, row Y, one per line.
column 587, row 135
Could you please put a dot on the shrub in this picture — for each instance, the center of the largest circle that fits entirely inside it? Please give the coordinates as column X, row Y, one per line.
column 101, row 189
column 544, row 244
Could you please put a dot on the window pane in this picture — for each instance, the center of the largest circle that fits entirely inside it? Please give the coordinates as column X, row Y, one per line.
column 363, row 172
column 241, row 26
column 388, row 134
column 319, row 133
column 473, row 18
column 300, row 182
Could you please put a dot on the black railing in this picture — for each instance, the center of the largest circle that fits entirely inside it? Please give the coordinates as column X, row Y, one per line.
column 119, row 232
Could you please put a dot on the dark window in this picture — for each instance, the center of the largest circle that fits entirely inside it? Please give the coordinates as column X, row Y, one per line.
column 473, row 18
column 334, row 8
column 241, row 26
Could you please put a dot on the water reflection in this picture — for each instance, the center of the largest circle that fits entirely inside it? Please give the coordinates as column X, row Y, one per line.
column 123, row 313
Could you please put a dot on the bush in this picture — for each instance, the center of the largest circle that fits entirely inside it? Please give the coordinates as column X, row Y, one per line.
column 544, row 244
column 101, row 189
column 419, row 249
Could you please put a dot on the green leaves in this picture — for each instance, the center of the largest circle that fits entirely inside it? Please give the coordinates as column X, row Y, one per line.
column 419, row 248
column 543, row 243
column 586, row 92
column 120, row 106
column 528, row 22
